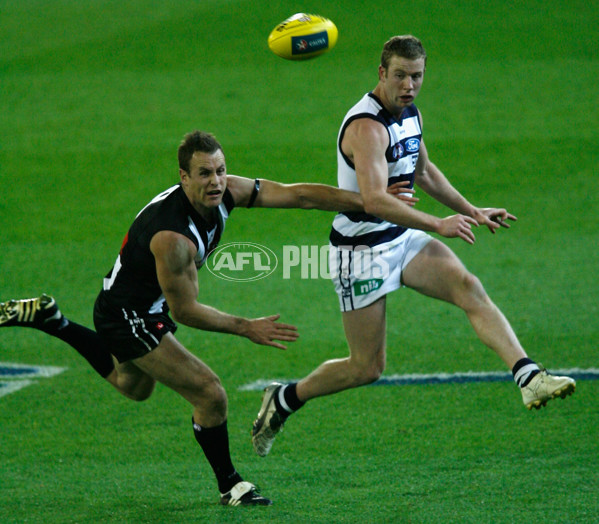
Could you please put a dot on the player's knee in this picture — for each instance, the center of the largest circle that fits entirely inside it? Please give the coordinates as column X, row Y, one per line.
column 134, row 388
column 368, row 373
column 374, row 373
column 471, row 291
column 369, row 377
column 140, row 392
column 210, row 392
column 473, row 284
column 140, row 396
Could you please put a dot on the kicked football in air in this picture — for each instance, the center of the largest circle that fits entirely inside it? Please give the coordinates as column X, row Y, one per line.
column 302, row 36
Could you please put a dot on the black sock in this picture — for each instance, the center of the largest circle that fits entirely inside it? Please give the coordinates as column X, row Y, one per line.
column 524, row 370
column 86, row 342
column 215, row 445
column 286, row 400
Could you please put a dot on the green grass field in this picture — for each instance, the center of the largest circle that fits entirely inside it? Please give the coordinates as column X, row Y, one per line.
column 95, row 97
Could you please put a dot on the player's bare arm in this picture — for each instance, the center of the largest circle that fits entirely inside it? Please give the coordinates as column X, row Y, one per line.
column 177, row 276
column 305, row 195
column 401, row 191
column 302, row 196
column 434, row 183
column 365, row 142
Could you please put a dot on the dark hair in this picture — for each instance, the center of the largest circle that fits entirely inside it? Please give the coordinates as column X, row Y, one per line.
column 404, row 46
column 196, row 141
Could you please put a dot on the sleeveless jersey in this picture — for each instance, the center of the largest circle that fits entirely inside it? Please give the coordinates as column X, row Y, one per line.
column 359, row 228
column 132, row 283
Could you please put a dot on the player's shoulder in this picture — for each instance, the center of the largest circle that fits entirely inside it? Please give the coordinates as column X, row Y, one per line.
column 366, row 127
column 240, row 188
column 167, row 198
column 166, row 211
column 369, row 107
column 237, row 183
column 172, row 245
column 365, row 107
column 365, row 136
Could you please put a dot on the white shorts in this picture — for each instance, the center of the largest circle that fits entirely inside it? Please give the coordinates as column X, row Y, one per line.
column 363, row 274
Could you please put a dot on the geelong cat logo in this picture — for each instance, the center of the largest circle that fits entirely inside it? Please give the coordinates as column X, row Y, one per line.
column 242, row 262
column 397, row 151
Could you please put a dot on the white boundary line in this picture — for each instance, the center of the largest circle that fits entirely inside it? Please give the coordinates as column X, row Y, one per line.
column 441, row 378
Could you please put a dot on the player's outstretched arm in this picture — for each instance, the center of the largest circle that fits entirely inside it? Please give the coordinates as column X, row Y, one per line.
column 177, row 276
column 307, row 195
column 433, row 182
column 301, row 195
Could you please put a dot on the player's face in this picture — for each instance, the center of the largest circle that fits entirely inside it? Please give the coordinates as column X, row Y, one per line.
column 206, row 181
column 401, row 82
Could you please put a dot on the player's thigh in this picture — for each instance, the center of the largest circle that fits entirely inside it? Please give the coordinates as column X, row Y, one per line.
column 171, row 364
column 365, row 330
column 436, row 272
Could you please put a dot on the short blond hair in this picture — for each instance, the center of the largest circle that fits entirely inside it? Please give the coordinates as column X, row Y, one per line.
column 404, row 46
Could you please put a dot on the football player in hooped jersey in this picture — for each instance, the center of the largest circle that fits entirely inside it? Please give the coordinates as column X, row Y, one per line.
column 387, row 247
column 156, row 272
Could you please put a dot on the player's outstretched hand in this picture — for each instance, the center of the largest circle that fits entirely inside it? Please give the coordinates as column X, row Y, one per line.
column 493, row 218
column 401, row 191
column 267, row 331
column 458, row 226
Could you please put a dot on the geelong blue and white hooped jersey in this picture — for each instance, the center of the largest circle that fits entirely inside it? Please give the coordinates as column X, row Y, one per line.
column 362, row 229
column 132, row 283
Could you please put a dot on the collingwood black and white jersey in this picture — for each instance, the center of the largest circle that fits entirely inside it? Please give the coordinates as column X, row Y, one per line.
column 132, row 283
column 358, row 228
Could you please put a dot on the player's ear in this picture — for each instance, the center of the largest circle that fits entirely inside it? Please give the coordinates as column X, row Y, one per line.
column 183, row 175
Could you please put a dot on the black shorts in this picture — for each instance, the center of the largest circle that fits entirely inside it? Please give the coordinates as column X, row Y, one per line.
column 129, row 334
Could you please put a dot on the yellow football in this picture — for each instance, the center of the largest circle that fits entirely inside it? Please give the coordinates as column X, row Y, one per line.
column 302, row 36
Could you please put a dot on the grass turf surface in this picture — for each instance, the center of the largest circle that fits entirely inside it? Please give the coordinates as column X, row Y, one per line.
column 96, row 97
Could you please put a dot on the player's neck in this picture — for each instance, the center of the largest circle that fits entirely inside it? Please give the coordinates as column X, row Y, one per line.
column 393, row 109
column 207, row 213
